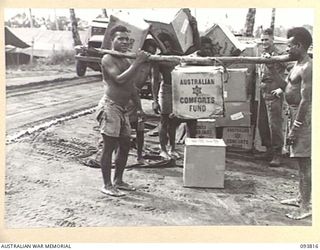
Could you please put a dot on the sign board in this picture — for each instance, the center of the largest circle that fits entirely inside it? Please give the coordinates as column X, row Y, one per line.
column 197, row 92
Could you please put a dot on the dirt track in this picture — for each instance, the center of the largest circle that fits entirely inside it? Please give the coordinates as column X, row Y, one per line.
column 48, row 186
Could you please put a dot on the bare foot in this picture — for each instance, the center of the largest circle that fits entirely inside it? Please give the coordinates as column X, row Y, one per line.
column 165, row 155
column 124, row 186
column 112, row 191
column 174, row 154
column 141, row 161
column 291, row 202
column 299, row 215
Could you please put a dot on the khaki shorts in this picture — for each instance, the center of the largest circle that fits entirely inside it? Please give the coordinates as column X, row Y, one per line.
column 302, row 145
column 113, row 120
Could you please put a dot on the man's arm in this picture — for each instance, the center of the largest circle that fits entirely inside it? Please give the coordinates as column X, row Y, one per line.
column 306, row 93
column 278, row 77
column 115, row 73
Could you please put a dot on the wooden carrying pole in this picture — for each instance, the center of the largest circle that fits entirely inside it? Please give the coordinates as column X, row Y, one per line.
column 202, row 60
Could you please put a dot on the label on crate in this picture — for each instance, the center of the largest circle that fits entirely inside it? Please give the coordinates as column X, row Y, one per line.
column 197, row 92
column 238, row 137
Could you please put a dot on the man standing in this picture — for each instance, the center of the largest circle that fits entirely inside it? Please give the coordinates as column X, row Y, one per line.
column 137, row 122
column 298, row 95
column 270, row 115
column 118, row 78
column 162, row 102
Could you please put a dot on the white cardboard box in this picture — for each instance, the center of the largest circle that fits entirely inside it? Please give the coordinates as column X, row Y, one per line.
column 204, row 162
column 224, row 42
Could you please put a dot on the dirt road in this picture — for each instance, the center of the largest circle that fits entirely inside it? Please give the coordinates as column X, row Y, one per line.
column 48, row 186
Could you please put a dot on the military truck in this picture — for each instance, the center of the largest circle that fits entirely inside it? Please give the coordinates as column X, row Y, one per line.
column 86, row 56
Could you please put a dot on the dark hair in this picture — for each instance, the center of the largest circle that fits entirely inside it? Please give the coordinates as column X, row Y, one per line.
column 165, row 37
column 149, row 42
column 268, row 32
column 118, row 28
column 300, row 35
column 205, row 39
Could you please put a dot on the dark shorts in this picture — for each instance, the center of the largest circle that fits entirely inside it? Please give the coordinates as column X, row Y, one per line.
column 113, row 120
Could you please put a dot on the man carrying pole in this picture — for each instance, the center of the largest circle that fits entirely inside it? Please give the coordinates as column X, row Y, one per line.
column 298, row 95
column 119, row 88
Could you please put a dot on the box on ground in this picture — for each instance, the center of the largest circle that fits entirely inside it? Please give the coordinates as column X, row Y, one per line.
column 197, row 92
column 138, row 31
column 236, row 114
column 206, row 128
column 224, row 42
column 236, row 88
column 204, row 162
column 238, row 137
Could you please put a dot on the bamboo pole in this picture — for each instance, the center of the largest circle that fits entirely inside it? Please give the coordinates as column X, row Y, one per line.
column 201, row 60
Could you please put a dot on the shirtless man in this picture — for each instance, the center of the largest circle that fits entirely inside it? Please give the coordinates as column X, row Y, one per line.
column 118, row 78
column 149, row 46
column 298, row 95
column 162, row 103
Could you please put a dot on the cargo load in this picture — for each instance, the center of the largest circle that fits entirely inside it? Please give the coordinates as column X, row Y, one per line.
column 204, row 163
column 197, row 92
column 138, row 31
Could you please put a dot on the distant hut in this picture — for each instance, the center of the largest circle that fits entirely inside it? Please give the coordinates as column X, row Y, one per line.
column 13, row 46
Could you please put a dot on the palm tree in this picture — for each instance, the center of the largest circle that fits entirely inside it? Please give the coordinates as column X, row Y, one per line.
column 273, row 18
column 74, row 28
column 250, row 19
column 104, row 13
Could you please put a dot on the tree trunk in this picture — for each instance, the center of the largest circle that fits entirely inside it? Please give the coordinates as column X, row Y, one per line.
column 30, row 18
column 250, row 19
column 74, row 28
column 273, row 18
column 104, row 13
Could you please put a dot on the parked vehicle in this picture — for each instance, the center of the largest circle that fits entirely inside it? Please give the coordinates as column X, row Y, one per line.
column 86, row 56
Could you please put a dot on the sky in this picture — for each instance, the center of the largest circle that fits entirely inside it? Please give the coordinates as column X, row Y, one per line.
column 206, row 17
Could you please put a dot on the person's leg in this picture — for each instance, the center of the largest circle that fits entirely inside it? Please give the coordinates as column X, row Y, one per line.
column 121, row 161
column 192, row 128
column 109, row 145
column 163, row 135
column 304, row 189
column 173, row 123
column 140, row 142
column 263, row 125
column 275, row 123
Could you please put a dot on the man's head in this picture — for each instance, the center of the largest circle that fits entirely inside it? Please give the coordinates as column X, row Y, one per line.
column 299, row 41
column 120, row 39
column 150, row 46
column 205, row 46
column 267, row 39
column 167, row 42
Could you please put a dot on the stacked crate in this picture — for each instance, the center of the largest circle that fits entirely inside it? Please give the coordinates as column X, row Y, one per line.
column 236, row 124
